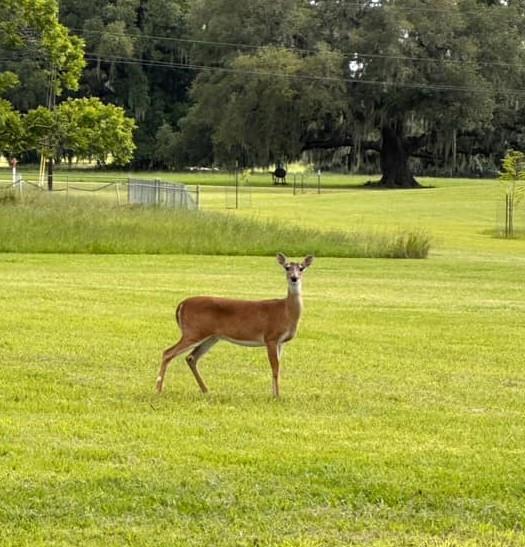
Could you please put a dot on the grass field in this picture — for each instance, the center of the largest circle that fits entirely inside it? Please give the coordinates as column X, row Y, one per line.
column 45, row 222
column 403, row 397
column 207, row 178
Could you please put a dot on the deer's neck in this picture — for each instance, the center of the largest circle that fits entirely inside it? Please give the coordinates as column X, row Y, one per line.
column 294, row 303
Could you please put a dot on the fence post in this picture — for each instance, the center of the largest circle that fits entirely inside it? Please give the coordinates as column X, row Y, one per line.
column 319, row 181
column 294, row 177
column 13, row 170
column 511, row 215
column 198, row 196
column 118, row 193
column 236, row 188
column 20, row 183
column 507, row 219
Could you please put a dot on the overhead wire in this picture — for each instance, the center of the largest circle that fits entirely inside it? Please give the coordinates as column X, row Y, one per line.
column 351, row 55
column 199, row 67
column 171, row 65
column 354, row 56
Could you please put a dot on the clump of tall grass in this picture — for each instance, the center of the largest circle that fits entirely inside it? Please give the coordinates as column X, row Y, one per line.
column 49, row 224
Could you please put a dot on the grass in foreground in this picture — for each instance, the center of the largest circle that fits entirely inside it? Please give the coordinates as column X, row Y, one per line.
column 50, row 224
column 401, row 421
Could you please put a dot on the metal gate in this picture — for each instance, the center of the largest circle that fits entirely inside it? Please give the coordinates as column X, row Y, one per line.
column 161, row 194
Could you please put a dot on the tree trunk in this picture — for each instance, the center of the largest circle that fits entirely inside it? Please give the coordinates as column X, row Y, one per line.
column 394, row 159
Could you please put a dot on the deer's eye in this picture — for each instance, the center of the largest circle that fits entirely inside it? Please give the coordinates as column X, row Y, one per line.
column 287, row 268
column 301, row 268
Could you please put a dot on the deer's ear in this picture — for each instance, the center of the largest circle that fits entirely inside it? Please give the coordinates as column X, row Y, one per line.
column 281, row 258
column 308, row 261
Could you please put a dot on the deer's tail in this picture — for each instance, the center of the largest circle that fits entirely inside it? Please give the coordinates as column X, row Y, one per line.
column 178, row 314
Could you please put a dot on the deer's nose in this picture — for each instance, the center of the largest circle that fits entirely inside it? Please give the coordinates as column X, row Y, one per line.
column 293, row 278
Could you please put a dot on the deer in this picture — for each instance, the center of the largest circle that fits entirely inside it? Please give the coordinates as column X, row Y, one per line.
column 206, row 320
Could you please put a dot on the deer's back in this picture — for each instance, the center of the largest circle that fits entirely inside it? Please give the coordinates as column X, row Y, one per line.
column 242, row 321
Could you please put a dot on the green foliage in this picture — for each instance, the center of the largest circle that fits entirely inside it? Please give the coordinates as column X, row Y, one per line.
column 30, row 22
column 513, row 166
column 32, row 28
column 135, row 32
column 166, row 149
column 12, row 131
column 84, row 128
column 424, row 74
column 97, row 131
column 309, row 75
column 7, row 81
column 513, row 176
column 271, row 90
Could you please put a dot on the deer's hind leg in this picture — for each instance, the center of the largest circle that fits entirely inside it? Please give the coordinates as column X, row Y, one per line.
column 183, row 345
column 193, row 358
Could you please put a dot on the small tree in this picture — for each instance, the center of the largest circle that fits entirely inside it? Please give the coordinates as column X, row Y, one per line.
column 84, row 128
column 512, row 175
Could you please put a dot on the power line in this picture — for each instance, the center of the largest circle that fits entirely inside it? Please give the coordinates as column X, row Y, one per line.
column 169, row 65
column 190, row 66
column 350, row 55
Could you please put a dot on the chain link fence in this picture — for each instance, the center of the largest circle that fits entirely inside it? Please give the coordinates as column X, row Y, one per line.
column 162, row 194
column 122, row 191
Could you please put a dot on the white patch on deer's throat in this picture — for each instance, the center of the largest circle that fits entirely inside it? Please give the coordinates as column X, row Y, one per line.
column 295, row 288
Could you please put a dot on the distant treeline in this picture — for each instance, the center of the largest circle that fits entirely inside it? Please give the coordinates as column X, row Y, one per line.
column 403, row 88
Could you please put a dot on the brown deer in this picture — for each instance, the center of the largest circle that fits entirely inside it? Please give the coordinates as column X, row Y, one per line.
column 205, row 320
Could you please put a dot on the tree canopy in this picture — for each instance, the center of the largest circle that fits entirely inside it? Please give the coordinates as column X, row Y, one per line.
column 31, row 28
column 402, row 78
column 47, row 56
column 403, row 86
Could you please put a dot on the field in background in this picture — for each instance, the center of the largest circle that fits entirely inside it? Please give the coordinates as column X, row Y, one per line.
column 206, row 178
column 401, row 421
column 458, row 213
column 45, row 222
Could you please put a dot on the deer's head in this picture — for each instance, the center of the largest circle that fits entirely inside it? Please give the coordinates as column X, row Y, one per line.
column 294, row 271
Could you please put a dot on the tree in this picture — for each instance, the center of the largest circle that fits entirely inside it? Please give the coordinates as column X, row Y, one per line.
column 132, row 47
column 407, row 79
column 273, row 98
column 269, row 110
column 34, row 26
column 82, row 128
column 423, row 78
column 513, row 176
column 12, row 131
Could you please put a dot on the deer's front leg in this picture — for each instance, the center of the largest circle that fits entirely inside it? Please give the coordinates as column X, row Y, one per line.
column 273, row 356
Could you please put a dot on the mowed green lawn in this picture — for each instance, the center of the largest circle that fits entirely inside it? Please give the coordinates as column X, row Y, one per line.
column 403, row 397
column 463, row 216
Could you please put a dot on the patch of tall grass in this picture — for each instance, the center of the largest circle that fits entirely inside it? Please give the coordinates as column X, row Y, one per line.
column 50, row 224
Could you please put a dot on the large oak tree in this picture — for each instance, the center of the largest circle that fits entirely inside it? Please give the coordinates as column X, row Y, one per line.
column 404, row 77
